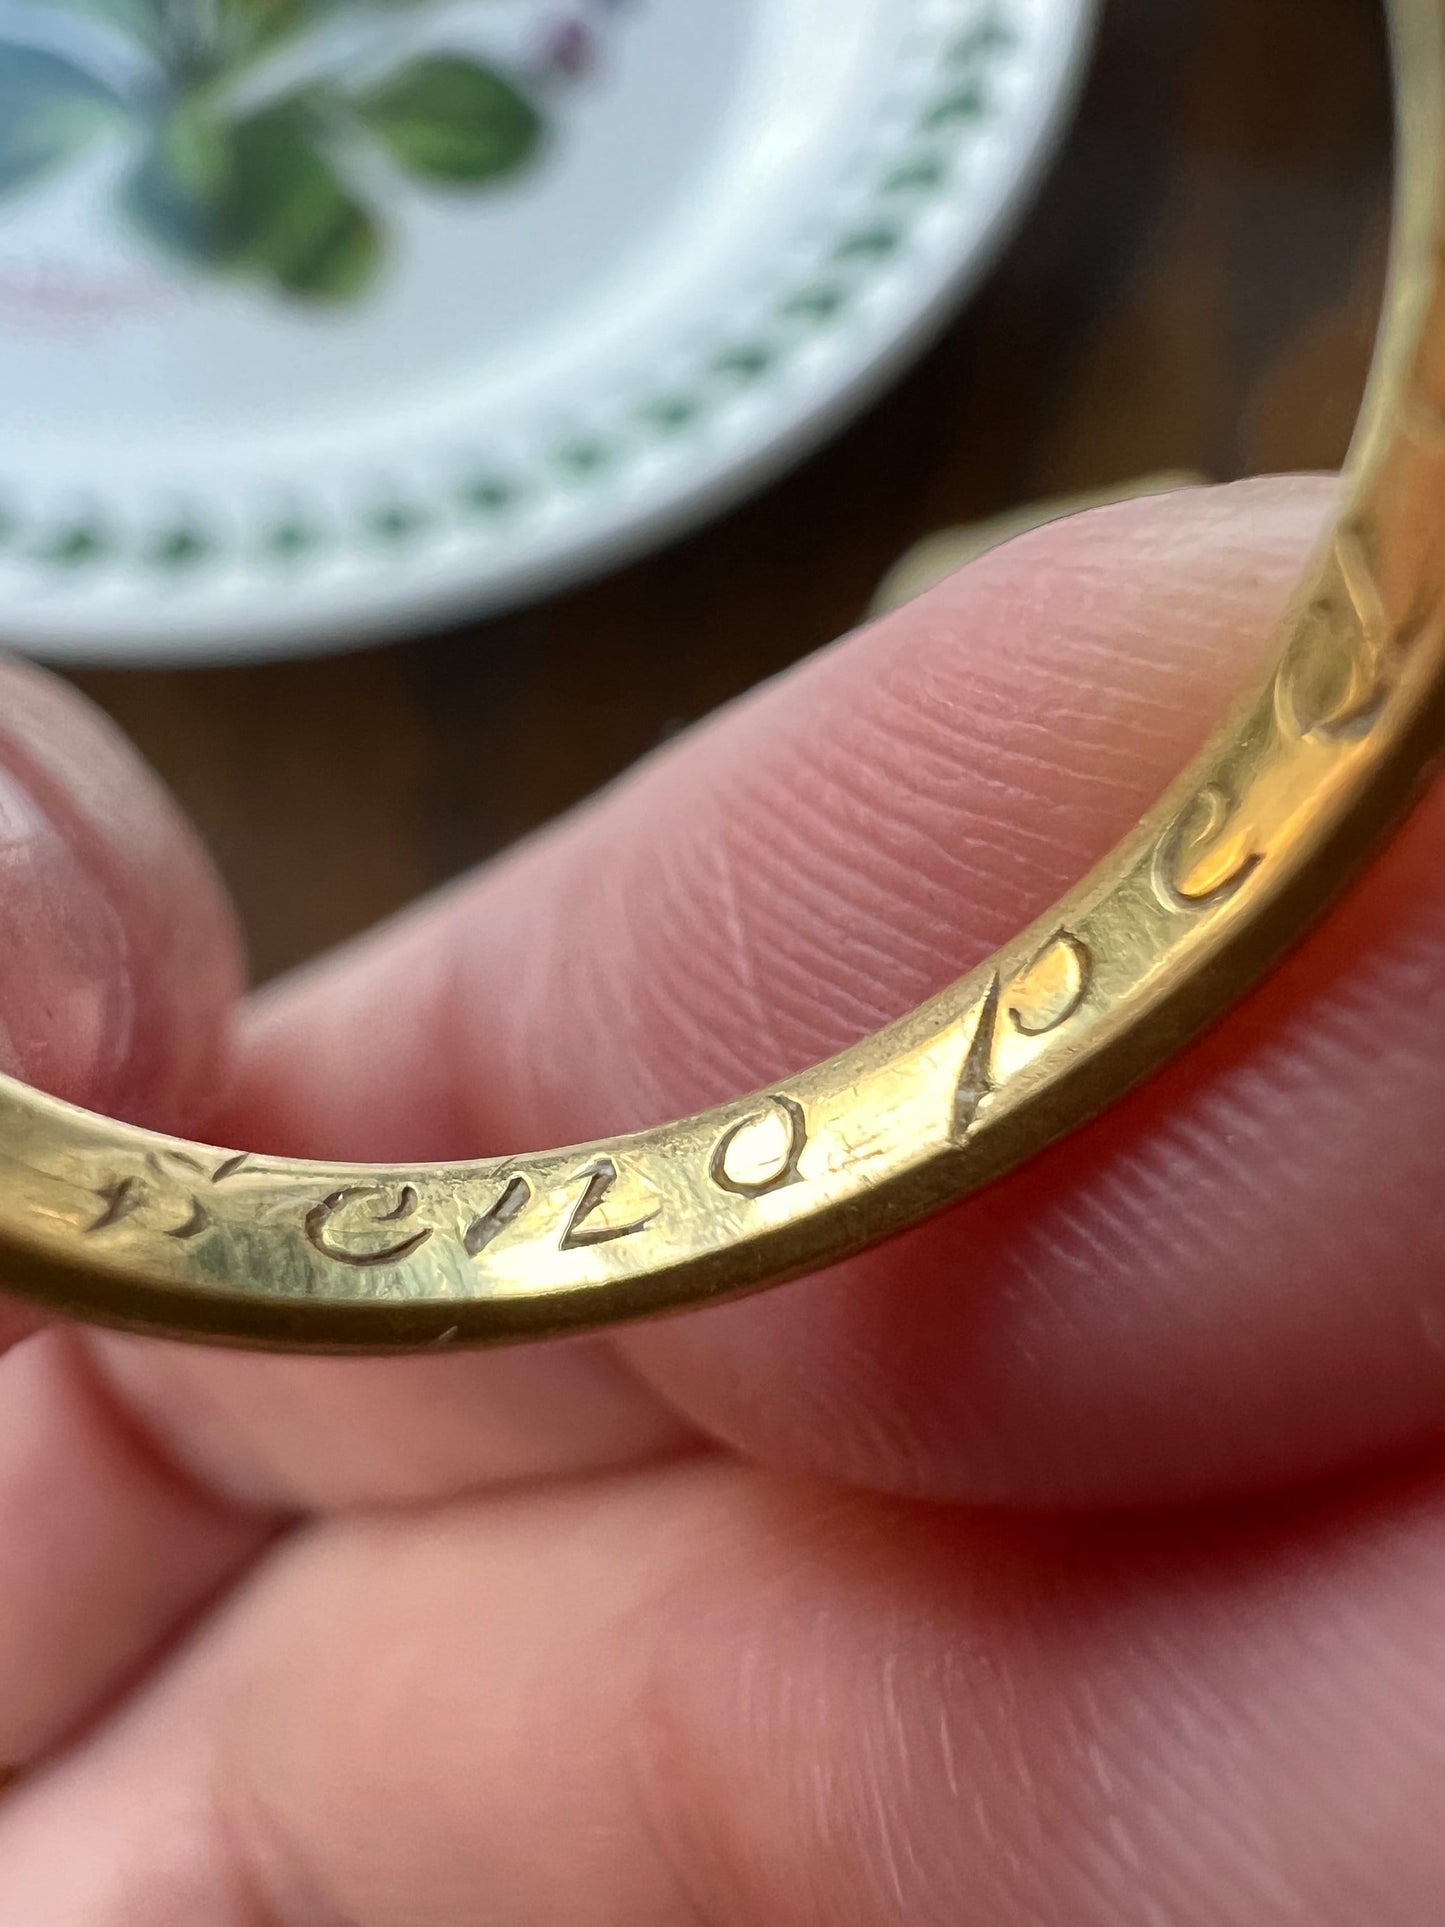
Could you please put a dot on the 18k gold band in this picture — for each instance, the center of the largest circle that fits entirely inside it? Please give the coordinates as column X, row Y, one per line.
column 119, row 1225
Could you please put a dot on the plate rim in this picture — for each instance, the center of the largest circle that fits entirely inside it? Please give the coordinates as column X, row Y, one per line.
column 175, row 628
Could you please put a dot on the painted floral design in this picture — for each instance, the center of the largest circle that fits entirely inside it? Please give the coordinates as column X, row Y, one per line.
column 254, row 142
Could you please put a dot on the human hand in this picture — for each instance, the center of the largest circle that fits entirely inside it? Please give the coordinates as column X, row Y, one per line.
column 1077, row 1560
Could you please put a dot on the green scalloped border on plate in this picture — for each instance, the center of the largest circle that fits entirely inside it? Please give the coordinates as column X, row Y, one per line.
column 919, row 169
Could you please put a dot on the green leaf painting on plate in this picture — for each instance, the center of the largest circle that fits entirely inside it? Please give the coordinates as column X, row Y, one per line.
column 236, row 173
column 454, row 120
column 49, row 110
column 257, row 195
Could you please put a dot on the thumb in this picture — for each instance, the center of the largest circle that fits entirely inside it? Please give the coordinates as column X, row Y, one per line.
column 118, row 954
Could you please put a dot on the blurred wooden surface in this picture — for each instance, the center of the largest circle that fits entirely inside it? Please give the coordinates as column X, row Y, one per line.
column 1196, row 289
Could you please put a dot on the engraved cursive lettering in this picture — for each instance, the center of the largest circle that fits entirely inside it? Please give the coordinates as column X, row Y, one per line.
column 584, row 1227
column 492, row 1222
column 198, row 1222
column 1366, row 689
column 977, row 1081
column 165, row 1164
column 1053, row 987
column 1185, row 849
column 1338, row 674
column 119, row 1200
column 165, row 1191
column 760, row 1153
column 321, row 1218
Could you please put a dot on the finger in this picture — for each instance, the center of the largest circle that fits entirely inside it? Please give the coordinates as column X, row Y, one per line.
column 1234, row 1278
column 715, row 1696
column 322, row 1434
column 119, row 961
column 1158, row 1308
column 104, row 1548
column 118, row 969
column 820, row 857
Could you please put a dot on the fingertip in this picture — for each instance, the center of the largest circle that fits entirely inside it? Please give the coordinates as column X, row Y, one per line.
column 119, row 957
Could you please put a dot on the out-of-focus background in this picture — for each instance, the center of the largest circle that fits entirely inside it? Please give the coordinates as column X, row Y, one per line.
column 1195, row 289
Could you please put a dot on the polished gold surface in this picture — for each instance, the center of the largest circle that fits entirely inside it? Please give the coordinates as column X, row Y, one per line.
column 1316, row 764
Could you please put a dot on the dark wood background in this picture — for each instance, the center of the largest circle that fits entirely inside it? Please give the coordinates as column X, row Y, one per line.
column 1195, row 289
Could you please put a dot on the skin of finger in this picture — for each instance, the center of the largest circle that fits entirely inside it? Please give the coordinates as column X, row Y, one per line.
column 822, row 856
column 308, row 1434
column 119, row 970
column 121, row 962
column 811, row 863
column 718, row 1696
column 104, row 1549
column 1232, row 1280
column 1187, row 1298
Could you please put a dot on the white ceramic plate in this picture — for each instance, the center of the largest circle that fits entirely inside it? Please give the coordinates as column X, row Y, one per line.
column 328, row 319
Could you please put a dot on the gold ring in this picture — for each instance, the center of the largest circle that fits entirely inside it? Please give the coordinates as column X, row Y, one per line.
column 122, row 1226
